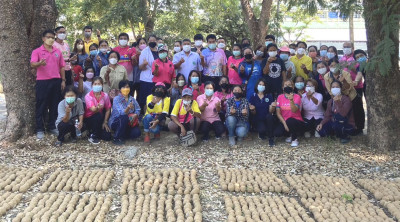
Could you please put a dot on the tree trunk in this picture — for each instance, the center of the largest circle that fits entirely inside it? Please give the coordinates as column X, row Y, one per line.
column 258, row 27
column 382, row 91
column 22, row 23
column 351, row 26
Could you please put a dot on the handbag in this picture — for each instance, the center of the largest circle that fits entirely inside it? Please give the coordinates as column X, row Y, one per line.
column 190, row 137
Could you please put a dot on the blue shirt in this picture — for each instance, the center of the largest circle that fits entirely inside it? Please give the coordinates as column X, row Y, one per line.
column 262, row 105
column 96, row 65
column 119, row 106
column 257, row 74
column 81, row 59
column 192, row 62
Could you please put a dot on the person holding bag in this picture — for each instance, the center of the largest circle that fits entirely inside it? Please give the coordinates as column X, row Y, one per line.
column 185, row 115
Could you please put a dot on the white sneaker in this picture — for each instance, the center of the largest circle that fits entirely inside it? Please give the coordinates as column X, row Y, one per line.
column 317, row 134
column 289, row 139
column 307, row 134
column 295, row 143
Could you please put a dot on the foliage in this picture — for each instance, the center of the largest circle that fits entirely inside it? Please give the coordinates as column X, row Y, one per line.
column 346, row 7
column 347, row 198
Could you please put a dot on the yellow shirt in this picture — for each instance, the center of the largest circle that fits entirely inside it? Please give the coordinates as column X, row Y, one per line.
column 158, row 108
column 180, row 114
column 306, row 60
column 88, row 44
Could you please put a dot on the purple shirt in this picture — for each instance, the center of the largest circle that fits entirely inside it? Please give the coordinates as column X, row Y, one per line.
column 311, row 110
column 214, row 60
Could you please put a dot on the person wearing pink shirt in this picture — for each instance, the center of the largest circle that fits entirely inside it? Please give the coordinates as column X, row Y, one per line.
column 224, row 94
column 210, row 106
column 288, row 110
column 66, row 52
column 163, row 69
column 50, row 81
column 128, row 55
column 97, row 112
column 233, row 64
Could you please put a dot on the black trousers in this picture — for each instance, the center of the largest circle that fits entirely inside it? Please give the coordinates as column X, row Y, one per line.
column 48, row 95
column 311, row 124
column 64, row 129
column 296, row 127
column 68, row 78
column 266, row 127
column 206, row 127
column 135, row 88
column 95, row 126
column 358, row 110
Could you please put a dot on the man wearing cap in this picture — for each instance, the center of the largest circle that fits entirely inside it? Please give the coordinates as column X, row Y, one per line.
column 163, row 69
column 186, row 114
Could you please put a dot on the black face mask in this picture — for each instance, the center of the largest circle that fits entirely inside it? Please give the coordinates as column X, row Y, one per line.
column 224, row 85
column 248, row 56
column 288, row 89
column 159, row 94
column 245, row 45
column 152, row 44
column 237, row 95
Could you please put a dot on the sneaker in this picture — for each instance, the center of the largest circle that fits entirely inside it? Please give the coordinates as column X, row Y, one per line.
column 289, row 140
column 345, row 140
column 295, row 143
column 157, row 136
column 271, row 142
column 205, row 140
column 118, row 142
column 217, row 138
column 93, row 140
column 54, row 132
column 74, row 140
column 307, row 134
column 58, row 143
column 147, row 139
column 40, row 135
column 232, row 141
column 317, row 134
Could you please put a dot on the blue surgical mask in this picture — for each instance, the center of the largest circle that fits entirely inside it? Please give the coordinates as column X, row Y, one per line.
column 268, row 42
column 299, row 85
column 323, row 53
column 212, row 46
column 70, row 100
column 93, row 53
column 163, row 55
column 330, row 55
column 209, row 92
column 261, row 88
column 284, row 57
column 97, row 88
column 362, row 59
column 236, row 53
column 194, row 79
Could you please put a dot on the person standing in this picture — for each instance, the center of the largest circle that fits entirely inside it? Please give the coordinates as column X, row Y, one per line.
column 301, row 61
column 88, row 37
column 214, row 61
column 198, row 43
column 222, row 45
column 187, row 60
column 50, row 81
column 63, row 46
column 163, row 69
column 274, row 69
column 127, row 54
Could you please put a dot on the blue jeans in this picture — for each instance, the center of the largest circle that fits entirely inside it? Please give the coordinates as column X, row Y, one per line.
column 235, row 127
column 122, row 130
column 146, row 124
column 341, row 130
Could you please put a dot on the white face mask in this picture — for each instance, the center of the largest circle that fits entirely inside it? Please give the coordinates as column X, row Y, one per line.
column 177, row 49
column 123, row 42
column 186, row 102
column 198, row 43
column 321, row 71
column 61, row 36
column 103, row 50
column 113, row 61
column 221, row 45
column 333, row 69
column 347, row 51
column 272, row 53
column 186, row 48
column 301, row 51
column 310, row 89
column 335, row 91
column 79, row 47
column 181, row 82
column 292, row 51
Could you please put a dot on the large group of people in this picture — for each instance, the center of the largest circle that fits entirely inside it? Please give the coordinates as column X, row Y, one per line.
column 272, row 91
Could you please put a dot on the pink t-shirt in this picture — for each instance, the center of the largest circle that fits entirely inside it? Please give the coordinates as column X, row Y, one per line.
column 166, row 71
column 196, row 93
column 233, row 76
column 284, row 105
column 54, row 62
column 210, row 113
column 91, row 101
column 311, row 110
column 221, row 96
column 66, row 52
column 125, row 59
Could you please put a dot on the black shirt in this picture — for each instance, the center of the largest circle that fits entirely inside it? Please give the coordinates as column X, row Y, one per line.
column 274, row 77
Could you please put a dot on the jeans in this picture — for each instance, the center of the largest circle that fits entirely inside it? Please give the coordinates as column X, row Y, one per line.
column 295, row 126
column 48, row 95
column 206, row 127
column 146, row 124
column 95, row 126
column 122, row 130
column 64, row 129
column 341, row 130
column 265, row 127
column 235, row 127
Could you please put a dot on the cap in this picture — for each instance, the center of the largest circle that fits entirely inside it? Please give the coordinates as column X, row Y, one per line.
column 162, row 48
column 160, row 84
column 187, row 92
column 284, row 49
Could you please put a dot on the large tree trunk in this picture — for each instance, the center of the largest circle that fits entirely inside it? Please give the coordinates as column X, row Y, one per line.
column 258, row 27
column 22, row 23
column 383, row 99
